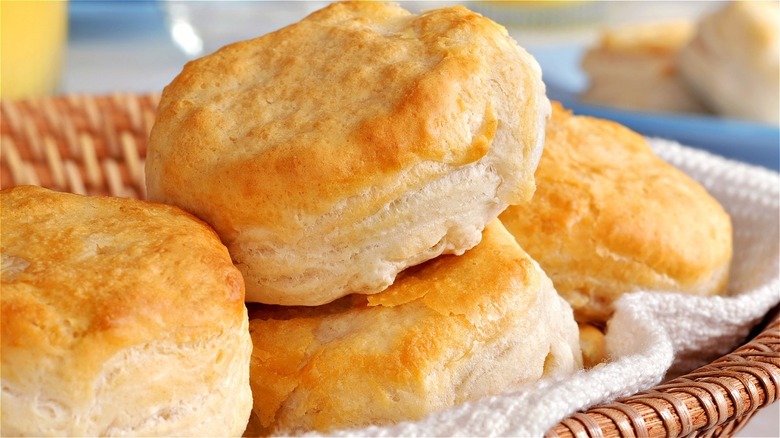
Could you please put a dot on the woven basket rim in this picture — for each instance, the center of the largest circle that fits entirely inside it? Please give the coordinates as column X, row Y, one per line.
column 96, row 144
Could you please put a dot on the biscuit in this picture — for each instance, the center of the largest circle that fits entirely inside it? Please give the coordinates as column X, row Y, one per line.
column 733, row 61
column 336, row 152
column 119, row 317
column 450, row 330
column 635, row 67
column 611, row 217
column 593, row 344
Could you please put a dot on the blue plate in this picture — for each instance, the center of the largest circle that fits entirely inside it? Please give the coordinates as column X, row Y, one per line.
column 754, row 143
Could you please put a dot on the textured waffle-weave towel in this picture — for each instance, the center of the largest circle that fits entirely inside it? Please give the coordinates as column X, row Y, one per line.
column 651, row 333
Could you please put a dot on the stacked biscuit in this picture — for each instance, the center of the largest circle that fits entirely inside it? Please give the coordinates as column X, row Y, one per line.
column 726, row 63
column 365, row 221
column 353, row 165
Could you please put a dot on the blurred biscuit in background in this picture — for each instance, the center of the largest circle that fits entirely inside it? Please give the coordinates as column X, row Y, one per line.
column 635, row 67
column 733, row 61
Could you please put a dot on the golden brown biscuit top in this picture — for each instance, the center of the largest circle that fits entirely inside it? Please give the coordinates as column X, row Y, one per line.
column 84, row 278
column 336, row 104
column 602, row 190
column 496, row 268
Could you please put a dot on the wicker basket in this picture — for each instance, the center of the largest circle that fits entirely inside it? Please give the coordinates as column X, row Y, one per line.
column 97, row 145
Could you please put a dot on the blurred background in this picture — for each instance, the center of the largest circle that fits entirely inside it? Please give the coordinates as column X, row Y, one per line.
column 139, row 46
column 100, row 47
column 151, row 40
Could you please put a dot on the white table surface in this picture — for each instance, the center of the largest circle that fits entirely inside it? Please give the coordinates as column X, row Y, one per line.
column 126, row 47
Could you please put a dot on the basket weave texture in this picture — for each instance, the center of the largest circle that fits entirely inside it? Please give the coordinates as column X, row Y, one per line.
column 96, row 145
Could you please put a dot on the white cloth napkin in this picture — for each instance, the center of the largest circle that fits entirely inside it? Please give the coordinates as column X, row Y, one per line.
column 651, row 333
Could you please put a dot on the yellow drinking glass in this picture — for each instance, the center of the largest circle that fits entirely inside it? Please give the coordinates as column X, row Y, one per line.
column 32, row 42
